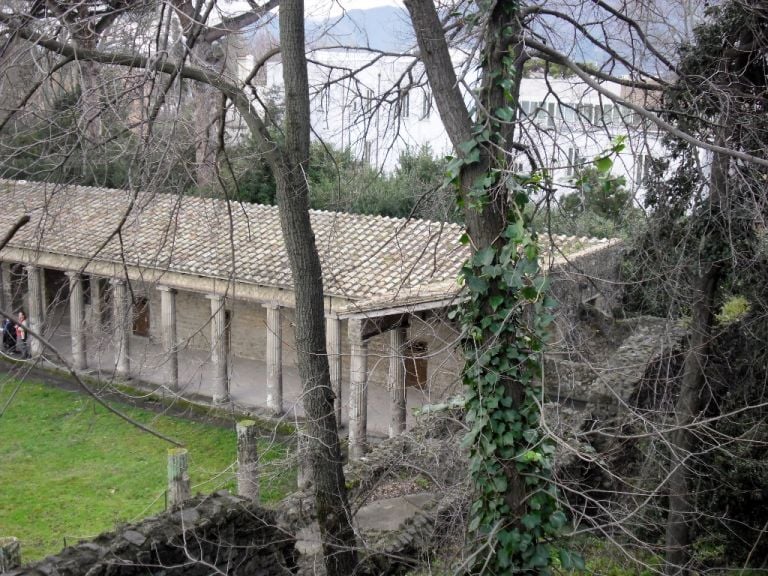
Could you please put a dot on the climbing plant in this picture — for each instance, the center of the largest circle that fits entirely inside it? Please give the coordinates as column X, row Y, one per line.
column 504, row 320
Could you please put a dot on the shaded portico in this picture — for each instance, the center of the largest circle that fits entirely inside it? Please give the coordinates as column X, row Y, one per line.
column 195, row 297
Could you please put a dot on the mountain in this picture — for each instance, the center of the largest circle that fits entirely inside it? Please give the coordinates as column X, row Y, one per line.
column 385, row 28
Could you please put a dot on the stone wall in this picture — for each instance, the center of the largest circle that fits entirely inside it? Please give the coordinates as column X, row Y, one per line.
column 590, row 274
column 220, row 533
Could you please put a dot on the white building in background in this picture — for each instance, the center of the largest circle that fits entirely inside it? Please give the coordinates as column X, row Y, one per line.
column 378, row 106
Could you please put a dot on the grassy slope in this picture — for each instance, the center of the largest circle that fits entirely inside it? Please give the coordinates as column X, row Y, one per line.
column 69, row 469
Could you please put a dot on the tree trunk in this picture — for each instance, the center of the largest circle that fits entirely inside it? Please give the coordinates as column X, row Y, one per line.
column 293, row 201
column 486, row 224
column 691, row 401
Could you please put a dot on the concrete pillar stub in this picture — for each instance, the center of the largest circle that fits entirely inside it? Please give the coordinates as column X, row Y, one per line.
column 169, row 335
column 396, row 382
column 77, row 320
column 123, row 322
column 274, row 358
column 219, row 349
column 333, row 344
column 358, row 391
column 248, row 459
column 34, row 309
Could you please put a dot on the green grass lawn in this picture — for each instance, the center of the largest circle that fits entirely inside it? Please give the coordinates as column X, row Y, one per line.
column 69, row 469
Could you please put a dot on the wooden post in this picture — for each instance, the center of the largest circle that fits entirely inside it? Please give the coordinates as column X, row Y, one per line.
column 178, row 477
column 248, row 460
column 10, row 554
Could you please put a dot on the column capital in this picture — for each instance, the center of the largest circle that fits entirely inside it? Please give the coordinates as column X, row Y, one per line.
column 272, row 305
column 73, row 274
column 117, row 281
column 215, row 297
column 164, row 288
column 31, row 267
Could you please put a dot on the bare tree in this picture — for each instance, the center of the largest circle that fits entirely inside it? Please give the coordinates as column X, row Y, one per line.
column 288, row 163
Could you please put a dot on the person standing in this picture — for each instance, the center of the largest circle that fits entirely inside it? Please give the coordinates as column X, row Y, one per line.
column 21, row 335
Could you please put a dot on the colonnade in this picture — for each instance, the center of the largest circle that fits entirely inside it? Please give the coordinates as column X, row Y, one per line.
column 122, row 315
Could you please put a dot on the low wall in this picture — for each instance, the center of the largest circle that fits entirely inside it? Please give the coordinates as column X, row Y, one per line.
column 220, row 533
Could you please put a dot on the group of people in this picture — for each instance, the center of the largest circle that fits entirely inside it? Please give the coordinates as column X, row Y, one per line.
column 15, row 335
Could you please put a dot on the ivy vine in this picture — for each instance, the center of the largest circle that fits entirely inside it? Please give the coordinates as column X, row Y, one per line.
column 504, row 321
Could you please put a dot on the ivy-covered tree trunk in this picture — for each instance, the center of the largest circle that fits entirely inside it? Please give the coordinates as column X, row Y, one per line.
column 693, row 390
column 514, row 513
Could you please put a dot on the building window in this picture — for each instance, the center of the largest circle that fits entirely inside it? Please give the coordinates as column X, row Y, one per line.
column 426, row 105
column 567, row 113
column 405, row 104
column 574, row 162
column 642, row 168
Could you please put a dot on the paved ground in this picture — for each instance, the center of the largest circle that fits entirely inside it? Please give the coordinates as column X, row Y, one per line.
column 247, row 376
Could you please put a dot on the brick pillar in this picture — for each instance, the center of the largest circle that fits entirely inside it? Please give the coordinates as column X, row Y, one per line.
column 274, row 359
column 169, row 338
column 219, row 349
column 77, row 321
column 358, row 391
column 396, row 382
column 123, row 322
column 333, row 343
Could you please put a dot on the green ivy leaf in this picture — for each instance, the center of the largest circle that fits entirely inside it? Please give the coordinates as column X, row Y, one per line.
column 477, row 284
column 570, row 560
column 496, row 301
column 531, row 521
column 505, row 114
column 603, row 164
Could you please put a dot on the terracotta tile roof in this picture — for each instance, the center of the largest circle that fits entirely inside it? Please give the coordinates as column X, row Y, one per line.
column 361, row 256
column 370, row 258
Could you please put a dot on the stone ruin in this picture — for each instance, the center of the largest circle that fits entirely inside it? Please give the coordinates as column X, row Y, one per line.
column 220, row 533
column 410, row 495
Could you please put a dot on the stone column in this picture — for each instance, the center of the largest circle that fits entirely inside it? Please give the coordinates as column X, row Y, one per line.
column 274, row 359
column 123, row 320
column 77, row 321
column 97, row 304
column 333, row 343
column 43, row 297
column 219, row 349
column 34, row 309
column 168, row 328
column 6, row 288
column 358, row 391
column 396, row 382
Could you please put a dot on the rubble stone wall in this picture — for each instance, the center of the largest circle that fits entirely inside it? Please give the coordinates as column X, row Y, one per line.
column 220, row 533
